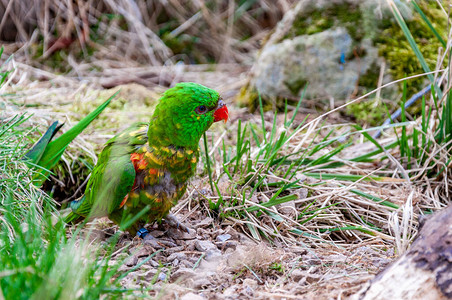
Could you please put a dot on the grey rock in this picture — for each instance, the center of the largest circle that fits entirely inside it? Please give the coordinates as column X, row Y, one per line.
column 183, row 273
column 229, row 250
column 131, row 261
column 283, row 69
column 145, row 251
column 157, row 243
column 157, row 233
column 174, row 250
column 149, row 275
column 177, row 255
column 179, row 234
column 186, row 264
column 330, row 61
column 204, row 223
column 212, row 254
column 223, row 237
column 203, row 246
column 227, row 245
column 162, row 276
column 154, row 263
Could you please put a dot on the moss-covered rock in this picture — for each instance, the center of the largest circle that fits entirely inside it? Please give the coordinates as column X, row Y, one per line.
column 338, row 48
column 325, row 60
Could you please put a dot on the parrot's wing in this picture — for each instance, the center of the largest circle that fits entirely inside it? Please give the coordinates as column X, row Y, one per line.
column 109, row 184
column 113, row 176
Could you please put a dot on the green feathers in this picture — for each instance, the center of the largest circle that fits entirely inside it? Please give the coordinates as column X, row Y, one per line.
column 147, row 167
column 176, row 121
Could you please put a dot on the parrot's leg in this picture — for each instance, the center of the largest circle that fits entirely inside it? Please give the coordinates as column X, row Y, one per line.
column 172, row 221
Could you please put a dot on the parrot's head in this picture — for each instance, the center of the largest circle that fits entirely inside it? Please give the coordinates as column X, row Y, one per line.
column 184, row 113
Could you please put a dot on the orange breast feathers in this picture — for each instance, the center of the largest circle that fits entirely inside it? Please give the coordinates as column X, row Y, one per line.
column 139, row 163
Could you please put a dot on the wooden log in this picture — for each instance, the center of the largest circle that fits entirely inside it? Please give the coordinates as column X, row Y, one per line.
column 424, row 272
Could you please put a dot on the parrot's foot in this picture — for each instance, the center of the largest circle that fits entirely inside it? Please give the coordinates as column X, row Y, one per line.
column 142, row 232
column 172, row 221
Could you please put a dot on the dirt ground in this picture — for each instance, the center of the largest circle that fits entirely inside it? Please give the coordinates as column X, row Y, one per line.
column 216, row 261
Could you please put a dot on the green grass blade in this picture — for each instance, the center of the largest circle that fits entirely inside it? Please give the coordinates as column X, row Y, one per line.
column 298, row 106
column 345, row 228
column 261, row 110
column 369, row 137
column 34, row 154
column 344, row 177
column 273, row 202
column 429, row 24
column 404, row 150
column 414, row 46
column 412, row 42
column 325, row 158
column 55, row 149
column 375, row 199
column 366, row 157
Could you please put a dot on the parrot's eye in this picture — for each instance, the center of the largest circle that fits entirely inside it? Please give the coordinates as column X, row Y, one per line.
column 201, row 109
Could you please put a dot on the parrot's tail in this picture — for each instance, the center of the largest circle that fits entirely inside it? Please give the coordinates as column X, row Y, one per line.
column 73, row 217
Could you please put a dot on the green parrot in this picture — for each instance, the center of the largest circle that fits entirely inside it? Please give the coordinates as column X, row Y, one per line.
column 146, row 167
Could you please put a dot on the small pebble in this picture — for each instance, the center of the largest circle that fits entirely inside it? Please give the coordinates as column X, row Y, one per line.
column 162, row 276
column 150, row 274
column 154, row 263
column 183, row 273
column 223, row 237
column 186, row 263
column 131, row 261
column 213, row 254
column 175, row 262
column 204, row 245
column 176, row 255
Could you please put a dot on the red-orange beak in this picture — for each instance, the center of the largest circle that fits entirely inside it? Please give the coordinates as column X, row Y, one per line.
column 221, row 113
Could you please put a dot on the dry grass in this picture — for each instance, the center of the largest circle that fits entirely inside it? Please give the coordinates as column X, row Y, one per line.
column 126, row 33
